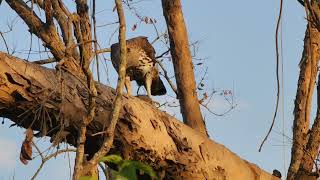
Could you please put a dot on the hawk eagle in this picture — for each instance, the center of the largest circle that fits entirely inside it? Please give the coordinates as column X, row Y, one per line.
column 141, row 65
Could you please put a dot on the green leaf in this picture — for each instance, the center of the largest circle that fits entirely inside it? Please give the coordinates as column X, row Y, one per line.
column 88, row 178
column 117, row 176
column 128, row 170
column 145, row 168
column 115, row 159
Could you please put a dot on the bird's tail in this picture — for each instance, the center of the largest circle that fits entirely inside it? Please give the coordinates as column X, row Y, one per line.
column 157, row 87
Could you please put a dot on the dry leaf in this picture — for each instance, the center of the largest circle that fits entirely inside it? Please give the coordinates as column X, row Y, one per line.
column 205, row 95
column 24, row 161
column 134, row 27
column 26, row 147
column 29, row 134
column 146, row 20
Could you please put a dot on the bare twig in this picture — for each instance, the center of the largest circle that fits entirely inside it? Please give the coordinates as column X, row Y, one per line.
column 162, row 54
column 117, row 103
column 95, row 38
column 201, row 83
column 48, row 35
column 5, row 42
column 84, row 36
column 158, row 37
column 173, row 87
column 277, row 74
column 44, row 159
column 103, row 50
column 209, row 98
column 45, row 61
column 107, row 24
column 51, row 60
column 112, row 34
column 217, row 114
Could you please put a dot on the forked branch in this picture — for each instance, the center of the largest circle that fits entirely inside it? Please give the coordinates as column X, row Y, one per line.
column 109, row 135
column 47, row 34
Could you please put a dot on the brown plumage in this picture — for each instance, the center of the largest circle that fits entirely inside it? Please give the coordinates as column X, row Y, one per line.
column 141, row 65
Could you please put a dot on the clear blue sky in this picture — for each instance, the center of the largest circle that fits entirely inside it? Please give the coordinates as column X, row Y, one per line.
column 236, row 37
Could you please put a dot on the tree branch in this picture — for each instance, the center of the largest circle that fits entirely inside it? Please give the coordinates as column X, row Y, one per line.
column 47, row 34
column 183, row 66
column 84, row 28
column 142, row 133
column 47, row 158
column 313, row 145
column 302, row 109
column 52, row 60
column 85, row 59
column 109, row 135
column 63, row 20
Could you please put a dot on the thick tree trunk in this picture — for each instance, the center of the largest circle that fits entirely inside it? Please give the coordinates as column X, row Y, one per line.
column 183, row 67
column 302, row 110
column 54, row 102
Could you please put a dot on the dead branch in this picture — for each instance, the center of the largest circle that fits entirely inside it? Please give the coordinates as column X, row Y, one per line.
column 85, row 59
column 173, row 87
column 84, row 28
column 142, row 133
column 103, row 50
column 277, row 75
column 44, row 159
column 183, row 66
column 47, row 34
column 5, row 42
column 109, row 135
column 313, row 144
column 45, row 61
column 306, row 83
column 93, row 16
column 52, row 60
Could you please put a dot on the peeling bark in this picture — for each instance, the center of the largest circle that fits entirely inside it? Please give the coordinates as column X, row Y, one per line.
column 183, row 67
column 143, row 132
column 306, row 83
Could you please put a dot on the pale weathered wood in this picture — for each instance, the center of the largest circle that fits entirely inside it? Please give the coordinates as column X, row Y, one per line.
column 143, row 132
column 301, row 156
column 183, row 67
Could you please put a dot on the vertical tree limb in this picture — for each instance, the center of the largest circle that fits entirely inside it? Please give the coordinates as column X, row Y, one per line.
column 313, row 145
column 95, row 38
column 48, row 11
column 85, row 59
column 85, row 29
column 306, row 83
column 109, row 134
column 183, row 67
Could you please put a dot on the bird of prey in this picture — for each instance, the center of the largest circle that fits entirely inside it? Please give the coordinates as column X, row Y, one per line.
column 141, row 65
